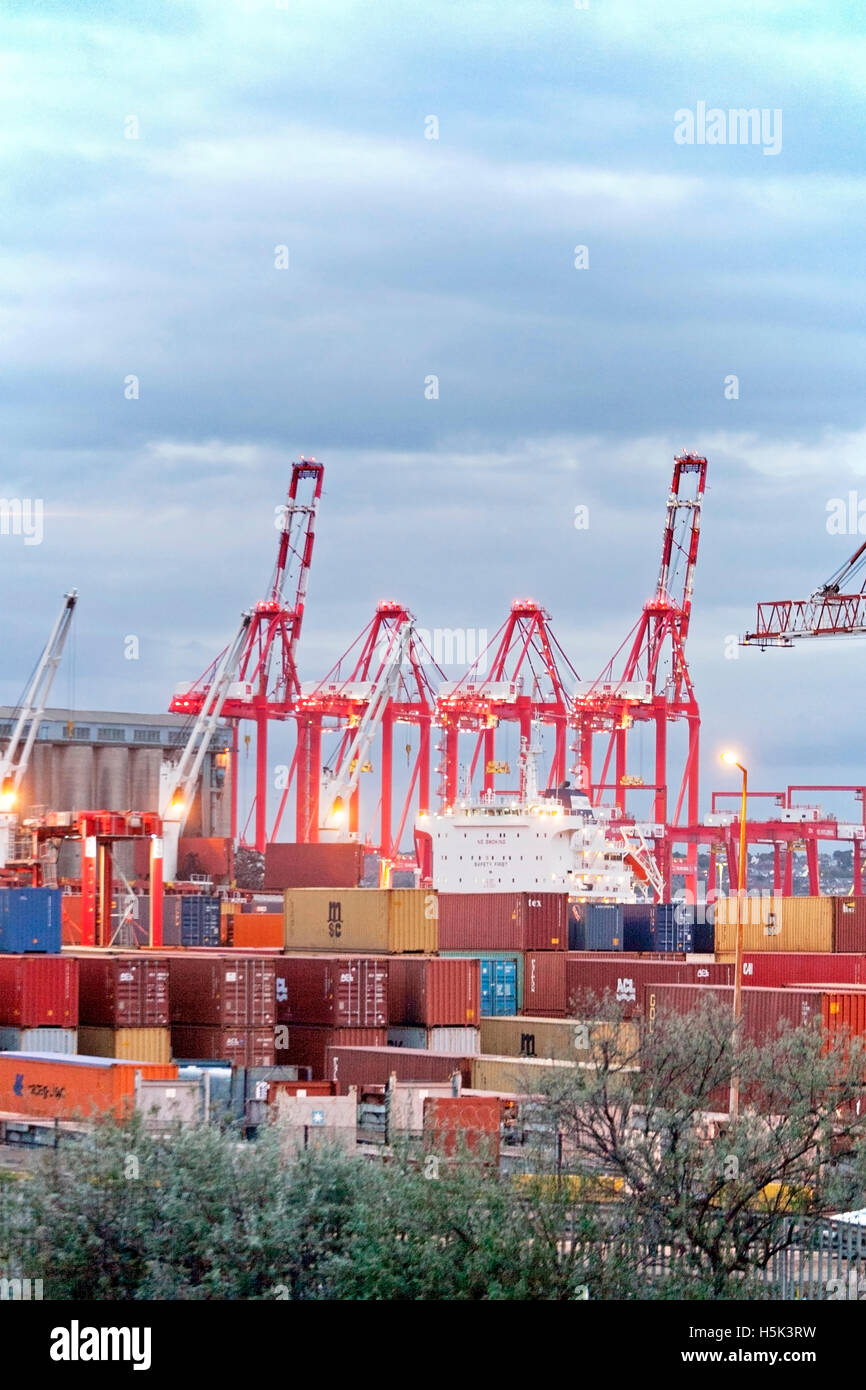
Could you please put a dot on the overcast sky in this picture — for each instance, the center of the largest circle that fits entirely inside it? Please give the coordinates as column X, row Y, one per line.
column 304, row 124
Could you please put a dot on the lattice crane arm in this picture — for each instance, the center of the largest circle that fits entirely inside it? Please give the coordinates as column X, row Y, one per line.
column 16, row 757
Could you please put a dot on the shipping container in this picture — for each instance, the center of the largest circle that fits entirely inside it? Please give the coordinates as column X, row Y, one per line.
column 256, row 929
column 501, row 979
column 298, row 1088
column 764, row 1010
column 306, row 1044
column 197, row 854
column 313, row 866
column 326, row 919
column 545, row 988
column 58, row 1087
column 30, row 920
column 413, row 923
column 849, row 919
column 64, row 1040
column 581, row 1041
column 200, row 920
column 229, row 992
column 344, row 991
column 513, row 1075
column 621, row 978
column 126, row 991
column 39, row 991
column 131, row 1044
column 803, row 967
column 448, row 1039
column 433, row 991
column 595, row 926
column 373, row 1066
column 171, row 932
column 772, row 922
column 238, row 1047
column 457, row 1124
column 672, row 930
column 486, row 922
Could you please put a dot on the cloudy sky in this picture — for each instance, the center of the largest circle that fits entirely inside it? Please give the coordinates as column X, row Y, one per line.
column 156, row 154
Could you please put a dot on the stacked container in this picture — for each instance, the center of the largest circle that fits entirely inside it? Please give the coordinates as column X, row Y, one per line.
column 124, row 1006
column 38, row 1003
column 373, row 1066
column 223, row 1008
column 30, row 920
column 57, row 1087
column 545, row 983
column 620, row 978
column 361, row 919
column 595, row 927
column 199, row 921
column 323, row 1001
column 485, row 922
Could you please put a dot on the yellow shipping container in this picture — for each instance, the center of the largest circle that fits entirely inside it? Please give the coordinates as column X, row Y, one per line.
column 775, row 923
column 510, row 1075
column 130, row 1044
column 335, row 919
column 563, row 1038
column 413, row 920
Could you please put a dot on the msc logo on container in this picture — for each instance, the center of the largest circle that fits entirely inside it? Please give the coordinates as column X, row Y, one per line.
column 335, row 919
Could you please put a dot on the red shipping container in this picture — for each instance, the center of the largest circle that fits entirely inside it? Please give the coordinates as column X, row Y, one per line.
column 345, row 991
column 803, row 967
column 545, row 984
column 763, row 1008
column 503, row 921
column 313, row 866
column 372, row 1066
column 430, row 992
column 71, row 911
column 849, row 917
column 452, row 1123
column 306, row 1045
column 237, row 991
column 298, row 1088
column 203, row 855
column 241, row 1047
column 65, row 1088
column 624, row 977
column 124, row 991
column 38, row 991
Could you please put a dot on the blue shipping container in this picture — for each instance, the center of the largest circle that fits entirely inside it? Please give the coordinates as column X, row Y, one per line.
column 30, row 920
column 498, row 987
column 199, row 921
column 638, row 926
column 595, row 927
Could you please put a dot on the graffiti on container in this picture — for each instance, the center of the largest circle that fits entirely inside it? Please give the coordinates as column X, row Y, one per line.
column 282, row 990
column 41, row 1089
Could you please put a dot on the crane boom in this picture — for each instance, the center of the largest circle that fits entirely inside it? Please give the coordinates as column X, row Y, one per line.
column 828, row 612
column 181, row 784
column 343, row 787
column 16, row 756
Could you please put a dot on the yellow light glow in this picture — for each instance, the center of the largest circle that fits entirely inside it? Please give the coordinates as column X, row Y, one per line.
column 7, row 801
column 730, row 758
column 177, row 802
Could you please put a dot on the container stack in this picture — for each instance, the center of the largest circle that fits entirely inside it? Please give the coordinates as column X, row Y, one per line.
column 30, row 921
column 124, row 1006
column 434, row 1003
column 325, row 1001
column 508, row 933
column 223, row 1008
column 38, row 1003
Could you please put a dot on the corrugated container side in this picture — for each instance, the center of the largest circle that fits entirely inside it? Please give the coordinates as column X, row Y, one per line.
column 622, row 978
column 463, row 1040
column 776, row 923
column 413, row 920
column 501, row 987
column 58, row 1087
column 327, row 919
column 63, row 1040
column 372, row 1066
column 595, row 927
column 434, row 991
column 803, row 967
column 236, row 992
column 257, row 929
column 486, row 922
column 545, row 989
column 39, row 991
column 849, row 919
column 763, row 1009
column 129, row 1044
column 453, row 1124
column 565, row 1039
column 845, row 1009
column 124, row 991
column 239, row 1047
column 70, row 919
column 306, row 1045
column 343, row 991
column 30, row 920
column 313, row 866
column 508, row 1075
column 638, row 926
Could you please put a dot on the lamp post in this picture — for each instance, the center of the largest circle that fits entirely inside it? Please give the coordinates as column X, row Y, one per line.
column 731, row 760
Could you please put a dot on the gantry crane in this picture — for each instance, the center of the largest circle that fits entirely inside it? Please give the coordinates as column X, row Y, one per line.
column 828, row 612
column 15, row 758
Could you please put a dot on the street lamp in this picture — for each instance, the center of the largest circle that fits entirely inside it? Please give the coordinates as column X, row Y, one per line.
column 731, row 760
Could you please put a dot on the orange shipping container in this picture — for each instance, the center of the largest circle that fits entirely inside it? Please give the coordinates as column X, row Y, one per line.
column 775, row 923
column 258, row 929
column 66, row 1088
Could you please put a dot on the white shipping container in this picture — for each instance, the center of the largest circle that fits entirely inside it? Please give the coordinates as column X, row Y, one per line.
column 465, row 1042
column 62, row 1040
